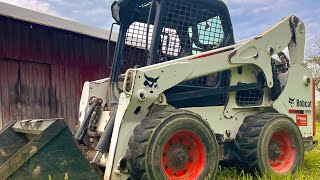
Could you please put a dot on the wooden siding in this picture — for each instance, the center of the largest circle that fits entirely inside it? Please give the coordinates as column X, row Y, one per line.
column 42, row 70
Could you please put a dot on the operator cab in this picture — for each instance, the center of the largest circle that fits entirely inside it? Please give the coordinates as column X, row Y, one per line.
column 162, row 30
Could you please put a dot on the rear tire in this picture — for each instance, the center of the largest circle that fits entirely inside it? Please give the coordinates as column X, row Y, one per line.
column 173, row 144
column 269, row 142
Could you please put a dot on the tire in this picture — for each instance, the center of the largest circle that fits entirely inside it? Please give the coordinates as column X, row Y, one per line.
column 173, row 144
column 265, row 144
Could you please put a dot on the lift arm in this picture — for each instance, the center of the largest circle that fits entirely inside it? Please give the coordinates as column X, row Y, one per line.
column 289, row 32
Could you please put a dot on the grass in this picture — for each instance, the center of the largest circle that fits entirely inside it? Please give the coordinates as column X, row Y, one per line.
column 310, row 169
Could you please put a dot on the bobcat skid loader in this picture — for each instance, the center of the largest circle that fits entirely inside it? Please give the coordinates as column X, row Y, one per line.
column 182, row 97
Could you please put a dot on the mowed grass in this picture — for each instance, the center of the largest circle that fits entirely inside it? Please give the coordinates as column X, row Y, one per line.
column 309, row 171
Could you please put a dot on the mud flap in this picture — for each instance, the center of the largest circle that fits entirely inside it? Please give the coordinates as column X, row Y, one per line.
column 39, row 149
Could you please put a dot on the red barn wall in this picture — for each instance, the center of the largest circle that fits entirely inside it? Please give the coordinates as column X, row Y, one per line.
column 42, row 70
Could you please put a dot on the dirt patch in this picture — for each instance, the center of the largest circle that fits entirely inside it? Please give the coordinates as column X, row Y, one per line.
column 3, row 153
column 33, row 150
column 36, row 170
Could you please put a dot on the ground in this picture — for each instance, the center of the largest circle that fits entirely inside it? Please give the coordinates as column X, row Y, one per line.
column 310, row 169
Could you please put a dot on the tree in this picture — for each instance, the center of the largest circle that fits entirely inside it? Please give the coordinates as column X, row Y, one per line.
column 313, row 59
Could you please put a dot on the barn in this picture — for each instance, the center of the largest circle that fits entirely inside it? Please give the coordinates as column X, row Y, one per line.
column 44, row 61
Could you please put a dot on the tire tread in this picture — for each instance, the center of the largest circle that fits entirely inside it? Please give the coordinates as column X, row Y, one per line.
column 246, row 141
column 139, row 141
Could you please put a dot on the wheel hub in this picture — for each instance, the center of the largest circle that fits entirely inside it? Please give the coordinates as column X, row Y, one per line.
column 183, row 156
column 274, row 150
column 180, row 156
column 176, row 156
column 281, row 152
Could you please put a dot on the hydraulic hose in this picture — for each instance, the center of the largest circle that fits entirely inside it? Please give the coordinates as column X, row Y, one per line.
column 96, row 103
column 104, row 142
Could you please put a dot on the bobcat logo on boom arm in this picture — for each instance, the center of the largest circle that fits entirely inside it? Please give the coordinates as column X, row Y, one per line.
column 291, row 101
column 151, row 82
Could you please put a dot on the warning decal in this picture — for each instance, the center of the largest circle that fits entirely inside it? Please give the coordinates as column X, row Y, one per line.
column 302, row 119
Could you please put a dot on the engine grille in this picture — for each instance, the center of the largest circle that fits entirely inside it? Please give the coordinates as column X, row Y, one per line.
column 252, row 97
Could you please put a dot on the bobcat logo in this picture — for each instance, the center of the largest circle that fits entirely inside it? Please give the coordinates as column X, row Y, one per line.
column 150, row 82
column 291, row 101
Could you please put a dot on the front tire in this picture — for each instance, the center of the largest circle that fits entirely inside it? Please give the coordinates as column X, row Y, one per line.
column 269, row 142
column 173, row 144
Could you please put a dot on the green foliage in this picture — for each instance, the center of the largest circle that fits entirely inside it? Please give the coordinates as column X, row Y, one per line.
column 318, row 111
column 310, row 169
column 312, row 59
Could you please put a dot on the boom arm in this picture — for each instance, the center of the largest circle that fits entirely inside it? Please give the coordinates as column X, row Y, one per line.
column 290, row 32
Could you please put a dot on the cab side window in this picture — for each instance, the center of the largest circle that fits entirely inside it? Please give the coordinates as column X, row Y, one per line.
column 206, row 35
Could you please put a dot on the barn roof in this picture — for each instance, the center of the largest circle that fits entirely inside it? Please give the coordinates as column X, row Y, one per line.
column 35, row 17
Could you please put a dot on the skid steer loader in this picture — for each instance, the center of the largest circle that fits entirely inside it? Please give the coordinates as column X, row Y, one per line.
column 182, row 98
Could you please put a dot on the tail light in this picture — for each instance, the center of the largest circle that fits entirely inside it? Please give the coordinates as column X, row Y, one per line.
column 314, row 106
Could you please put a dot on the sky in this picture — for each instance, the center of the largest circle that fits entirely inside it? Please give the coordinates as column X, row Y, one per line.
column 249, row 17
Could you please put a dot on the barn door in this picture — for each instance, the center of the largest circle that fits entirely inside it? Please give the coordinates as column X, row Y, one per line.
column 25, row 91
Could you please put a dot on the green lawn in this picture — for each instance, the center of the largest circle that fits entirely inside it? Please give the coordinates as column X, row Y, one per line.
column 310, row 169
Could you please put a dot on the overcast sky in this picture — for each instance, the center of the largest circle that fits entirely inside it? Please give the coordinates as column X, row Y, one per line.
column 249, row 17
